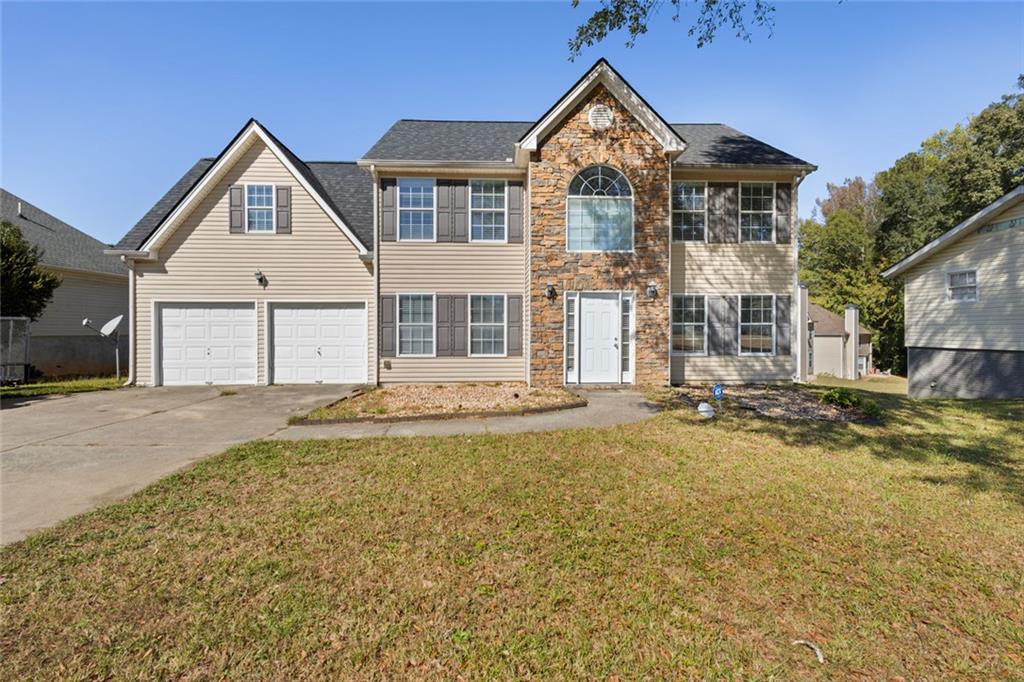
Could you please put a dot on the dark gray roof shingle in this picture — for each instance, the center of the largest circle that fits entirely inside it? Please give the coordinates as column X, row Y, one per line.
column 419, row 140
column 343, row 185
column 714, row 143
column 63, row 245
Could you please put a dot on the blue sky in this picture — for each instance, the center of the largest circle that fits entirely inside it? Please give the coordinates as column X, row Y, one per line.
column 104, row 106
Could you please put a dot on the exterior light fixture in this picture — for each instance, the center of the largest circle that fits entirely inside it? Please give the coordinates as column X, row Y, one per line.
column 652, row 289
column 549, row 292
column 261, row 279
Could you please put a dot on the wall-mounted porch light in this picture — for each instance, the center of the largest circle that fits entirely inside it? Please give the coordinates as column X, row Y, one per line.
column 549, row 292
column 261, row 279
column 652, row 289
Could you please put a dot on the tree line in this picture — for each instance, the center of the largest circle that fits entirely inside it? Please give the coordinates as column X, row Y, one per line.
column 862, row 227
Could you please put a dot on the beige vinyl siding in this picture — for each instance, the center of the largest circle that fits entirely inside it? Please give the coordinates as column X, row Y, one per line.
column 453, row 268
column 202, row 263
column 98, row 297
column 996, row 320
column 732, row 369
column 732, row 268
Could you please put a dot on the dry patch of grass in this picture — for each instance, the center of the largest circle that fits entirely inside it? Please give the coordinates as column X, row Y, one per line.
column 873, row 383
column 60, row 387
column 411, row 400
column 673, row 548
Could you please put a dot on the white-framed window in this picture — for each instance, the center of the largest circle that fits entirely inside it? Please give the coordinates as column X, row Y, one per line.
column 416, row 325
column 757, row 324
column 259, row 208
column 487, row 203
column 757, row 211
column 487, row 324
column 689, row 211
column 625, row 338
column 599, row 211
column 570, row 338
column 689, row 324
column 962, row 286
column 416, row 209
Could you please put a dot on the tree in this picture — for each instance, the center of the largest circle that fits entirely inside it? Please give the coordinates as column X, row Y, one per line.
column 25, row 288
column 633, row 15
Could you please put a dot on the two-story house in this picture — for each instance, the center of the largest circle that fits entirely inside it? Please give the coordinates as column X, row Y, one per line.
column 599, row 244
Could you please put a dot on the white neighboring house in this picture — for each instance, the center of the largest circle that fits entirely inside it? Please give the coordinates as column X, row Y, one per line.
column 94, row 285
column 832, row 347
column 964, row 304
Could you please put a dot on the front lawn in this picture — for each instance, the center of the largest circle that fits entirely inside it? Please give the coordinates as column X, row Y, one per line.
column 60, row 386
column 665, row 549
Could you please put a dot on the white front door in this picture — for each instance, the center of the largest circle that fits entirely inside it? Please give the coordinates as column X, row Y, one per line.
column 207, row 343
column 600, row 359
column 321, row 343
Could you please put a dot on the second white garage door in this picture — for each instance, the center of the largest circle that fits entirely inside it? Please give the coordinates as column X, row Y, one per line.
column 321, row 343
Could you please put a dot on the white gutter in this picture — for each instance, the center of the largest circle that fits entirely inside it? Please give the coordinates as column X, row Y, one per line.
column 131, row 319
column 794, row 305
column 376, row 274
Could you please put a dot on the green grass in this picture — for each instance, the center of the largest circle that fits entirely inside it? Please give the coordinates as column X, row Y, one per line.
column 880, row 384
column 63, row 386
column 674, row 548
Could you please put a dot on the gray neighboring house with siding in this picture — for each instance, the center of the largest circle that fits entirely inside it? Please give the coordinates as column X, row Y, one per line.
column 964, row 306
column 597, row 244
column 93, row 285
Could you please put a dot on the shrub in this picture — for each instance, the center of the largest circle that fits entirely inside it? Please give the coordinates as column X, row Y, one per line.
column 847, row 399
column 840, row 397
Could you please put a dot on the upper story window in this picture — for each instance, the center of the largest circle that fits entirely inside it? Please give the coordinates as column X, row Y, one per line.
column 487, row 210
column 757, row 325
column 259, row 208
column 600, row 211
column 962, row 285
column 689, row 211
column 416, row 209
column 757, row 211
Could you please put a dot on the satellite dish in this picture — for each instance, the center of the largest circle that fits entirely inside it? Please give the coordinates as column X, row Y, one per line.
column 109, row 327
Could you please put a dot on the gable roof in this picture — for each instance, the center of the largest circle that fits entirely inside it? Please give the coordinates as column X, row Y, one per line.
column 954, row 235
column 602, row 73
column 717, row 145
column 155, row 224
column 63, row 246
column 349, row 188
column 827, row 323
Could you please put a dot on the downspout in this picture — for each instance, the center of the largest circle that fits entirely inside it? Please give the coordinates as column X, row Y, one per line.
column 130, row 263
column 794, row 310
column 376, row 274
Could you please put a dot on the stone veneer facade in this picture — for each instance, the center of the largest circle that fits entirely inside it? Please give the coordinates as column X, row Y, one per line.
column 630, row 148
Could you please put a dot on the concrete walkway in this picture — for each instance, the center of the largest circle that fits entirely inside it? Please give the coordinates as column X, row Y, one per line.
column 605, row 408
column 62, row 456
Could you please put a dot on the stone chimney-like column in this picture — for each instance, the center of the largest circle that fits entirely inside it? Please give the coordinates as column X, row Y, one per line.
column 852, row 327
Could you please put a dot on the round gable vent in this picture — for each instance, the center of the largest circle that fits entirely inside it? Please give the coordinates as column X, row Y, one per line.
column 600, row 117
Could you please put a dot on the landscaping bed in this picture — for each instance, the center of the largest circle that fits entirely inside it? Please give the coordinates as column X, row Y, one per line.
column 409, row 402
column 775, row 402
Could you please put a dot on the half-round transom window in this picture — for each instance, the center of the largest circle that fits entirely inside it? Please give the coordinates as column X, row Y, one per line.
column 600, row 211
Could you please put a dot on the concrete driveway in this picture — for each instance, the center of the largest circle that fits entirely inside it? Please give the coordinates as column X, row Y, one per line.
column 64, row 456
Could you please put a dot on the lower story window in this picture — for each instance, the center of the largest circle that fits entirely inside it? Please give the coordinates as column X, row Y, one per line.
column 570, row 337
column 416, row 324
column 689, row 324
column 487, row 324
column 627, row 304
column 757, row 325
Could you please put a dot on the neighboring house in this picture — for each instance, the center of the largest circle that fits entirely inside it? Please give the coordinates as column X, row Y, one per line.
column 831, row 345
column 93, row 285
column 964, row 306
column 597, row 245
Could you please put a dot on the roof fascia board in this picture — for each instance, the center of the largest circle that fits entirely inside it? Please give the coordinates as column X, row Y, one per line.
column 601, row 73
column 83, row 272
column 954, row 235
column 251, row 131
column 807, row 167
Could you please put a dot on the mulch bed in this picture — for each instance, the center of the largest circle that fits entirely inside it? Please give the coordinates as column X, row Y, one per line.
column 776, row 402
column 421, row 402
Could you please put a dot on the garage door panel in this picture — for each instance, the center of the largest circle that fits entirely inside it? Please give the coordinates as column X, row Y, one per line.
column 208, row 343
column 319, row 343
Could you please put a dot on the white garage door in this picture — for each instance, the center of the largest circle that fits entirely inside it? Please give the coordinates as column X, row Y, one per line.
column 321, row 343
column 207, row 343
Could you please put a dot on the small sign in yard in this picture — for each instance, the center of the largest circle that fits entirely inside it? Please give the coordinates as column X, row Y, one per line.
column 717, row 392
